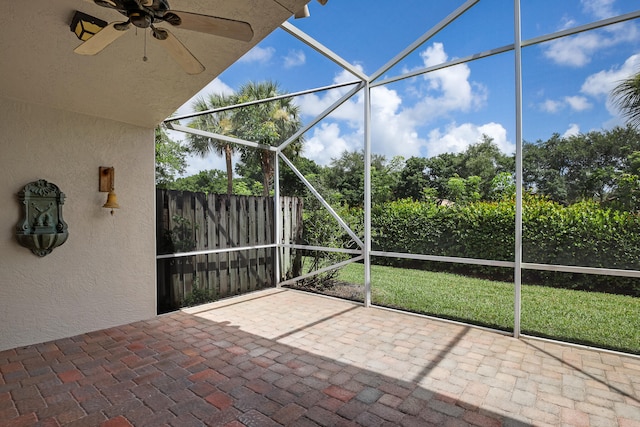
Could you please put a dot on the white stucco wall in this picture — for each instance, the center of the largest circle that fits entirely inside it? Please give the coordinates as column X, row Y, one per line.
column 104, row 275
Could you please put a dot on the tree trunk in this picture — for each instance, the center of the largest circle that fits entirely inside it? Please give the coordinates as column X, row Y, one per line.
column 227, row 155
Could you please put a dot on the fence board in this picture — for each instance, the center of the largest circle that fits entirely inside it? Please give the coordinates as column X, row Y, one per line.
column 252, row 236
column 194, row 221
column 189, row 244
column 243, row 240
column 175, row 200
column 164, row 298
column 223, row 239
column 212, row 243
column 261, row 239
column 201, row 240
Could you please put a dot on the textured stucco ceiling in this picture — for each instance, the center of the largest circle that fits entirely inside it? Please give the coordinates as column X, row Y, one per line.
column 38, row 64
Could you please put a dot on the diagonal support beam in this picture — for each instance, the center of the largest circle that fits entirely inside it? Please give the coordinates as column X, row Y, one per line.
column 321, row 116
column 426, row 36
column 323, row 50
column 324, row 203
column 226, row 138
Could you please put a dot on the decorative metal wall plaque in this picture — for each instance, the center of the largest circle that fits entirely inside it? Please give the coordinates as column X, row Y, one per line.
column 42, row 229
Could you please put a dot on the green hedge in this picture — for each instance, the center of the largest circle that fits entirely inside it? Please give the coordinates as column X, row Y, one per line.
column 582, row 234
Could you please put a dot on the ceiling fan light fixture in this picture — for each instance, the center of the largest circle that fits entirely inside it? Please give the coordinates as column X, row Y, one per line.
column 86, row 26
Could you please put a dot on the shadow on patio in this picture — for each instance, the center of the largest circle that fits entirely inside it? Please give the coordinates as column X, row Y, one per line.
column 282, row 357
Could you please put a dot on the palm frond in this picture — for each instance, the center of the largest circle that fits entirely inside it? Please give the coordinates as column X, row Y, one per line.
column 626, row 97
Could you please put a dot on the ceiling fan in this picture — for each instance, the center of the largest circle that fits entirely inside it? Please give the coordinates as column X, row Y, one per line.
column 147, row 13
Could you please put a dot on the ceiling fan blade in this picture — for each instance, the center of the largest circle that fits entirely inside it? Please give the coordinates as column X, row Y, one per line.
column 102, row 39
column 238, row 30
column 104, row 3
column 178, row 51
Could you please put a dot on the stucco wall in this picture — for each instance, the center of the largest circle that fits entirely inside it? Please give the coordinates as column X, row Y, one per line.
column 104, row 275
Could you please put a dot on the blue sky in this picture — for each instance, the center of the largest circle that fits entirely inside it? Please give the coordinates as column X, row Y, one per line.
column 565, row 82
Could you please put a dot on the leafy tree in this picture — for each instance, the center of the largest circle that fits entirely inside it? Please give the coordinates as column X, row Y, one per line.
column 170, row 157
column 627, row 193
column 385, row 179
column 267, row 123
column 581, row 167
column 503, row 186
column 485, row 160
column 482, row 159
column 626, row 96
column 542, row 169
column 413, row 179
column 214, row 181
column 461, row 190
column 346, row 175
column 203, row 182
column 220, row 123
column 439, row 169
column 290, row 184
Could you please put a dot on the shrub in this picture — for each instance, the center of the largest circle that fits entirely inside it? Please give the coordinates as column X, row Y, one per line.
column 583, row 234
column 198, row 295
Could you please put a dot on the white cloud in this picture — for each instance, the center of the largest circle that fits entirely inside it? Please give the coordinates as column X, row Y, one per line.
column 551, row 106
column 258, row 54
column 573, row 130
column 196, row 164
column 456, row 139
column 294, row 58
column 575, row 103
column 578, row 103
column 601, row 9
column 449, row 89
column 577, row 50
column 351, row 110
column 393, row 131
column 601, row 83
column 325, row 144
column 499, row 135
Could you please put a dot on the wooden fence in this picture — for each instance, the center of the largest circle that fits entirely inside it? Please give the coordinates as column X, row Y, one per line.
column 189, row 222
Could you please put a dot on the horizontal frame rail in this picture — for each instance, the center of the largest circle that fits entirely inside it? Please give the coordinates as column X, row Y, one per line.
column 451, row 259
column 584, row 270
column 260, row 101
column 226, row 138
column 323, row 249
column 322, row 270
column 215, row 251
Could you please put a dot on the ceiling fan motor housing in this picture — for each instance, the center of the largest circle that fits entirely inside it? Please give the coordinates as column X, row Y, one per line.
column 140, row 18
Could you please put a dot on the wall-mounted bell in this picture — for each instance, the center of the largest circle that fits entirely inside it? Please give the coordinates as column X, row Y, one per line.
column 106, row 183
column 112, row 201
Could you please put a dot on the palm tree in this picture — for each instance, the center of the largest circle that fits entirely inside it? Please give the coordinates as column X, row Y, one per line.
column 268, row 123
column 626, row 96
column 220, row 123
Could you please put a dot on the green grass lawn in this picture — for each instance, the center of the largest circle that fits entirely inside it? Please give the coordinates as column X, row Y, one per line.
column 602, row 320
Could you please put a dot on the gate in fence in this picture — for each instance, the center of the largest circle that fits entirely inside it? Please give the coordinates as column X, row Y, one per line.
column 196, row 239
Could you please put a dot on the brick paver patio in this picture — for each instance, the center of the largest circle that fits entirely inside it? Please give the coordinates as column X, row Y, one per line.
column 281, row 357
